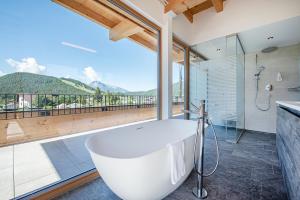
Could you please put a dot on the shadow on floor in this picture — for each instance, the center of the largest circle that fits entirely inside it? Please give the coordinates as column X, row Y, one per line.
column 247, row 170
column 69, row 156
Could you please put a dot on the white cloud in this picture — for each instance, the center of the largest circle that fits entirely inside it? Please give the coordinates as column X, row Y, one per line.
column 78, row 47
column 91, row 74
column 2, row 73
column 26, row 65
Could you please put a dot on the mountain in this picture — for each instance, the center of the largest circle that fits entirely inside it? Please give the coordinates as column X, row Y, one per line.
column 143, row 93
column 153, row 92
column 21, row 82
column 107, row 88
column 78, row 84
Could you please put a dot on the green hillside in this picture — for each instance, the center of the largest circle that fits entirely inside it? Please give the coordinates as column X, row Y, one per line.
column 79, row 85
column 153, row 92
column 143, row 93
column 21, row 82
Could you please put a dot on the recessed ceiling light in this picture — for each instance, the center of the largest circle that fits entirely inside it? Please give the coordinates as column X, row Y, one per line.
column 270, row 37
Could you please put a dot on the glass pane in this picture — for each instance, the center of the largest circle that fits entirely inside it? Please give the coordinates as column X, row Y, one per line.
column 240, row 71
column 220, row 81
column 178, row 90
column 178, row 82
column 62, row 81
column 198, row 81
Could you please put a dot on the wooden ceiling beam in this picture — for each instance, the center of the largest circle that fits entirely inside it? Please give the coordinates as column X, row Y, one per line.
column 104, row 16
column 178, row 57
column 200, row 7
column 172, row 4
column 123, row 30
column 188, row 14
column 142, row 41
column 218, row 4
column 119, row 27
column 85, row 11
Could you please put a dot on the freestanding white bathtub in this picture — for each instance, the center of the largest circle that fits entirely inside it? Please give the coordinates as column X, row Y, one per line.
column 134, row 161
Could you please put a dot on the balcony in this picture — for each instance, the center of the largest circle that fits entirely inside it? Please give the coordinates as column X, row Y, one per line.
column 57, row 115
column 30, row 117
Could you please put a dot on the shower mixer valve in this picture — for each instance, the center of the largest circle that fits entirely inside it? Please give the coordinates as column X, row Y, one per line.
column 268, row 87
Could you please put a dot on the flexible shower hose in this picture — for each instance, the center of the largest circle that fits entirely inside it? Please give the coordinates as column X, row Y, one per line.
column 217, row 147
column 256, row 96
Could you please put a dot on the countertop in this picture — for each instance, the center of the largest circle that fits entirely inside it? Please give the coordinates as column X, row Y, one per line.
column 290, row 104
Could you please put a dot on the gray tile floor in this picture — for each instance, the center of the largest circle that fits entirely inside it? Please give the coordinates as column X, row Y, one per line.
column 247, row 170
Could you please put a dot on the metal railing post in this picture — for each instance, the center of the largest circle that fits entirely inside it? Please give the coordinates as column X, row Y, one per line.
column 15, row 103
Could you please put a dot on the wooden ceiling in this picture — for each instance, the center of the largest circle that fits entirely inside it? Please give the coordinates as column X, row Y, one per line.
column 119, row 25
column 191, row 7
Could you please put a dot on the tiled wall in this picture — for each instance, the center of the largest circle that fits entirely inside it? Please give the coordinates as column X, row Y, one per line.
column 285, row 60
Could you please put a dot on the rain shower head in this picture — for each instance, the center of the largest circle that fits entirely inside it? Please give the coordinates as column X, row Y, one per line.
column 269, row 49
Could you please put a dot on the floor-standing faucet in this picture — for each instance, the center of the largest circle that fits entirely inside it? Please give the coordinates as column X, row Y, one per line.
column 202, row 116
column 200, row 191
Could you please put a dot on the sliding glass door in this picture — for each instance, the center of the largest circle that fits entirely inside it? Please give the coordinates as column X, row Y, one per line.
column 65, row 75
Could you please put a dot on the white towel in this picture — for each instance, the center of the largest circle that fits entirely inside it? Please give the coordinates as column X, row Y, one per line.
column 176, row 152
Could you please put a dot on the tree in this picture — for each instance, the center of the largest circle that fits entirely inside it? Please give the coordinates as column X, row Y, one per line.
column 98, row 95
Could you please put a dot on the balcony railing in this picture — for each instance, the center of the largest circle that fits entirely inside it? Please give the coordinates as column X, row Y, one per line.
column 16, row 106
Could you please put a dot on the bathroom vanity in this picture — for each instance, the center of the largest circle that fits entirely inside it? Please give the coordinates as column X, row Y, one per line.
column 288, row 145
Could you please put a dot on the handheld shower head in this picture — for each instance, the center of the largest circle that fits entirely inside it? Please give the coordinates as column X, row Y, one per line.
column 259, row 70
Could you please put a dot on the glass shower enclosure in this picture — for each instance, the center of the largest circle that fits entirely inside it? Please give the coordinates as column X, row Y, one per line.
column 219, row 77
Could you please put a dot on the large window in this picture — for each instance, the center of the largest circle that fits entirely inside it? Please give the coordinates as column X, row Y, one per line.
column 178, row 81
column 63, row 73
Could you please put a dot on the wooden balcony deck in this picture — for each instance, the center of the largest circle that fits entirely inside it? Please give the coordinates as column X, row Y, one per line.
column 14, row 131
column 37, row 164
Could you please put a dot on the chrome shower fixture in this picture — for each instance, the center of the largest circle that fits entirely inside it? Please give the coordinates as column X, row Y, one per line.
column 268, row 88
column 259, row 70
column 202, row 116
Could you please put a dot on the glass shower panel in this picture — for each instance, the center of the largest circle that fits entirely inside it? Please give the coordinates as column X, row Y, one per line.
column 220, row 81
column 198, row 79
column 240, row 71
column 221, row 96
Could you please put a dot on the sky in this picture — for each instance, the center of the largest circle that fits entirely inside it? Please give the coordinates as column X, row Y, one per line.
column 42, row 37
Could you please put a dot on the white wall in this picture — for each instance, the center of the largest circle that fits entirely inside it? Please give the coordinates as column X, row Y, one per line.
column 154, row 11
column 237, row 16
column 285, row 60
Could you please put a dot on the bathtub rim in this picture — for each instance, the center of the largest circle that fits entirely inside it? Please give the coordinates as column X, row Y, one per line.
column 134, row 157
column 88, row 141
